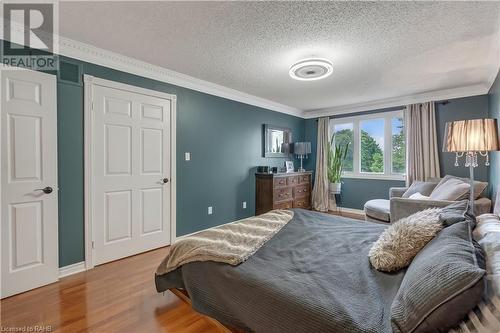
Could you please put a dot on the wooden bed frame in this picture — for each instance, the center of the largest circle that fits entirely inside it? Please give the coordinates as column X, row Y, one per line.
column 183, row 295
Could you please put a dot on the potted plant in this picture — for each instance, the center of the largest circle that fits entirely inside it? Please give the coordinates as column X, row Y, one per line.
column 336, row 157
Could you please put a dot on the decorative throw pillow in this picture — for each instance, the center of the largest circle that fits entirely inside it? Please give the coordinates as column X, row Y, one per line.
column 443, row 283
column 424, row 188
column 418, row 196
column 454, row 213
column 479, row 186
column 451, row 189
column 401, row 241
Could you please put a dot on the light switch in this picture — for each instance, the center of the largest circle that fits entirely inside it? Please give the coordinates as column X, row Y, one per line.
column 210, row 210
column 244, row 205
column 187, row 156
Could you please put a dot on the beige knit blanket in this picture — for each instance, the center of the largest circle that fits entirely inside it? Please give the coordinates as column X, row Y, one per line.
column 230, row 243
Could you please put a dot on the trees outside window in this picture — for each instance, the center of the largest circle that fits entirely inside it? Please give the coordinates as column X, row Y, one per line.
column 372, row 145
column 398, row 146
column 344, row 135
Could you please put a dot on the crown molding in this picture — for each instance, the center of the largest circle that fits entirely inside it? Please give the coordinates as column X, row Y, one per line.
column 89, row 53
column 437, row 95
column 85, row 52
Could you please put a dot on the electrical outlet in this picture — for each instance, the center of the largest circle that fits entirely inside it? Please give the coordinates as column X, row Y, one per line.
column 244, row 205
column 210, row 210
column 187, row 156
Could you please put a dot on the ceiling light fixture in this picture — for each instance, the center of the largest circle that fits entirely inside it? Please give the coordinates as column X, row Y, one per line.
column 311, row 69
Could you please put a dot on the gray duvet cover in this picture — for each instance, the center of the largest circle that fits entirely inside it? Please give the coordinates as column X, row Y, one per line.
column 313, row 276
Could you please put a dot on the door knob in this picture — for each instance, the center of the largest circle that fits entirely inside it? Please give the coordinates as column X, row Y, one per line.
column 165, row 180
column 46, row 190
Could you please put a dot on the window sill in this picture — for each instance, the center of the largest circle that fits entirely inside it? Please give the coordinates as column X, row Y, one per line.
column 374, row 177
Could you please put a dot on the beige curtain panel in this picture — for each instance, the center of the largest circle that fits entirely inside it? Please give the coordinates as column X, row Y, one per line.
column 320, row 190
column 421, row 142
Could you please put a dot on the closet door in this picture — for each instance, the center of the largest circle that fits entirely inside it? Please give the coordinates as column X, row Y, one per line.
column 29, row 217
column 131, row 172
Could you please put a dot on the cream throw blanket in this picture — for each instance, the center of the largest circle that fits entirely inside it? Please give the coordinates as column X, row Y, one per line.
column 230, row 243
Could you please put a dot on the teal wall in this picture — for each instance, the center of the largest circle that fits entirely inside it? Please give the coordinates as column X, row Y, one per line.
column 494, row 112
column 357, row 191
column 224, row 138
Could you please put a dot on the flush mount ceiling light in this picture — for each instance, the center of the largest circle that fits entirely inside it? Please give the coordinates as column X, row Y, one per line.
column 311, row 69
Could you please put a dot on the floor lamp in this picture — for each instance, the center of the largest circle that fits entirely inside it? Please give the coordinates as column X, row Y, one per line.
column 471, row 138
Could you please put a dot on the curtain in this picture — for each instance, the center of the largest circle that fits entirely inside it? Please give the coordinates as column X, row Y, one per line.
column 320, row 190
column 421, row 142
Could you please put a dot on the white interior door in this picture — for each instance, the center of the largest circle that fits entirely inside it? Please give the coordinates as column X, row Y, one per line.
column 29, row 180
column 130, row 172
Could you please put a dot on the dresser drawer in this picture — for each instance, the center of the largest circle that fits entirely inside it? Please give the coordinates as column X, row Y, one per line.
column 302, row 203
column 279, row 181
column 283, row 205
column 304, row 179
column 281, row 194
column 292, row 181
column 301, row 191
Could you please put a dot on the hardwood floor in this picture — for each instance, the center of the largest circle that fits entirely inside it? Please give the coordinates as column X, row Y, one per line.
column 115, row 297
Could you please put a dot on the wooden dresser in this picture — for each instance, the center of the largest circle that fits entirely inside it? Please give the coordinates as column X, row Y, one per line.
column 282, row 191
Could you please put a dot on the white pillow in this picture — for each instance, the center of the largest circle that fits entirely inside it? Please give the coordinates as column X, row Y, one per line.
column 418, row 196
column 487, row 234
column 486, row 317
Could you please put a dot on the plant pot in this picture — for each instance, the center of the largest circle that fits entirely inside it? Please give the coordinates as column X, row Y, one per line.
column 334, row 187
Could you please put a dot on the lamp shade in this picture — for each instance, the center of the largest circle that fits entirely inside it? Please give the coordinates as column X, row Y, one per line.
column 471, row 135
column 302, row 148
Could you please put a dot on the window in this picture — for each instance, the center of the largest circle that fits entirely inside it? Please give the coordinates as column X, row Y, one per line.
column 398, row 146
column 344, row 135
column 372, row 145
column 376, row 145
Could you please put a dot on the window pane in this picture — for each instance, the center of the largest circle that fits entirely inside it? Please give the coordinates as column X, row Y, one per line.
column 372, row 145
column 344, row 135
column 398, row 146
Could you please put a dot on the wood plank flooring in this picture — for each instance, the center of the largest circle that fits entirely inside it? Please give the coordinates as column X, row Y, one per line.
column 115, row 297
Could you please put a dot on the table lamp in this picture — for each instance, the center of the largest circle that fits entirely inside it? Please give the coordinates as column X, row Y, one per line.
column 302, row 149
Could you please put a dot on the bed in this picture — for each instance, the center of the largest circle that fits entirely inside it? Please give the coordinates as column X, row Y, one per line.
column 312, row 276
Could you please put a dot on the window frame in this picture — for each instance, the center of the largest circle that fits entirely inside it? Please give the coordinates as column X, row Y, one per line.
column 356, row 123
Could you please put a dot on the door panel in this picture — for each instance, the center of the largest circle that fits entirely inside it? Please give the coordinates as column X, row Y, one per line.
column 29, row 163
column 118, row 223
column 130, row 159
column 24, row 146
column 118, row 149
column 152, row 210
column 151, row 148
column 27, row 239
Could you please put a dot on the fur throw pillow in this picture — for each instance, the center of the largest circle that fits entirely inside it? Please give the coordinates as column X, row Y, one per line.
column 400, row 242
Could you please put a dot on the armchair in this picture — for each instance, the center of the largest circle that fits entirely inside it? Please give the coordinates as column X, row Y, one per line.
column 397, row 207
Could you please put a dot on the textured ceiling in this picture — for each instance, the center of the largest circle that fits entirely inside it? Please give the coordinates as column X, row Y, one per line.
column 379, row 50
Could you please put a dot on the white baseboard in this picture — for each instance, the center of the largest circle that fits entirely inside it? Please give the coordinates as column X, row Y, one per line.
column 352, row 210
column 71, row 269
